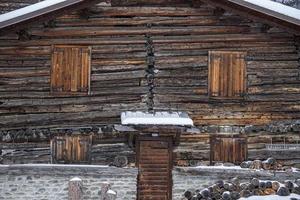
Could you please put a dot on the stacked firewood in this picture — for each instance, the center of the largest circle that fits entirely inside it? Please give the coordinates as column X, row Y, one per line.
column 269, row 164
column 233, row 190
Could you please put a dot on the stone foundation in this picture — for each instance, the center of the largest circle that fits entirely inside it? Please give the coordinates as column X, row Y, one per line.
column 48, row 182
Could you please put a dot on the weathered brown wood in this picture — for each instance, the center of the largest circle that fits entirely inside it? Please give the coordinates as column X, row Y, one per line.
column 228, row 149
column 182, row 38
column 154, row 160
column 70, row 71
column 71, row 149
column 226, row 77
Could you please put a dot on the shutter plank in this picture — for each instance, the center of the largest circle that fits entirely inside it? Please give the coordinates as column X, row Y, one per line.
column 227, row 74
column 230, row 75
column 73, row 71
column 70, row 72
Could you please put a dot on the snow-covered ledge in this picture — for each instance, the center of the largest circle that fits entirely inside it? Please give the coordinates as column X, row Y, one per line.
column 156, row 118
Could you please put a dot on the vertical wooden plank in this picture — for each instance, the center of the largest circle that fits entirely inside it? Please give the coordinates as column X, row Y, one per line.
column 236, row 150
column 221, row 76
column 54, row 70
column 86, row 69
column 83, row 71
column 78, row 68
column 214, row 74
column 243, row 73
column 73, row 68
column 230, row 76
column 210, row 73
column 238, row 78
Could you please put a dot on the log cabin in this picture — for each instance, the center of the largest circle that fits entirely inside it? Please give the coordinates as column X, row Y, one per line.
column 70, row 68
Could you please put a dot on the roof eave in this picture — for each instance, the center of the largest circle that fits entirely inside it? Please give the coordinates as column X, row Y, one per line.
column 258, row 13
column 44, row 14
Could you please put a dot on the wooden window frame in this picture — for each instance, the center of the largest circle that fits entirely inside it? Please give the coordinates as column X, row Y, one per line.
column 244, row 72
column 77, row 93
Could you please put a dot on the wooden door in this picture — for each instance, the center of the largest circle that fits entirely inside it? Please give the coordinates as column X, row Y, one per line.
column 154, row 160
column 228, row 149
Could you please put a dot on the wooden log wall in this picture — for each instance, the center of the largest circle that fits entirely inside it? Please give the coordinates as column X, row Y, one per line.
column 194, row 149
column 182, row 37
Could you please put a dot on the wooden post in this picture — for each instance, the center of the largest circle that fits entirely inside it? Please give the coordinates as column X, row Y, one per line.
column 104, row 188
column 75, row 189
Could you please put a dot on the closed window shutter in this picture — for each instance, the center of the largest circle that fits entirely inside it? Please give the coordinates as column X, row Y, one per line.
column 228, row 149
column 70, row 69
column 71, row 149
column 226, row 74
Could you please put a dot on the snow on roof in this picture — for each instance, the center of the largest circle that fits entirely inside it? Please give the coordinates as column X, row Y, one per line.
column 268, row 7
column 157, row 118
column 29, row 9
column 277, row 7
column 274, row 9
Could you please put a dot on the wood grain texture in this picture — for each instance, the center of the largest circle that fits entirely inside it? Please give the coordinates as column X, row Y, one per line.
column 71, row 149
column 182, row 38
column 226, row 78
column 154, row 160
column 70, row 71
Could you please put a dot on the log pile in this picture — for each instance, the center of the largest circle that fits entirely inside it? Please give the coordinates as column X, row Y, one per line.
column 268, row 164
column 233, row 190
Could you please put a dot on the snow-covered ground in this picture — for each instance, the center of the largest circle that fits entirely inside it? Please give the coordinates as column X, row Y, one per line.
column 271, row 197
column 235, row 167
column 55, row 165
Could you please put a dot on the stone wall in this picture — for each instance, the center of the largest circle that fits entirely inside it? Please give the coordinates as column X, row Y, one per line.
column 192, row 178
column 48, row 182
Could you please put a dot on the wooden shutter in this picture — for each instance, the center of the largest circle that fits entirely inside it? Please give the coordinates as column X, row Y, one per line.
column 71, row 149
column 226, row 76
column 70, row 69
column 58, row 150
column 228, row 149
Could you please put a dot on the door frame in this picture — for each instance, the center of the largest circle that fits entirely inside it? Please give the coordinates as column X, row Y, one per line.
column 170, row 150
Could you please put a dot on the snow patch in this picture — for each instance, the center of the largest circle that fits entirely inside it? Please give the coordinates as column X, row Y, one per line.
column 54, row 165
column 76, row 179
column 111, row 192
column 277, row 7
column 221, row 167
column 271, row 197
column 157, row 118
